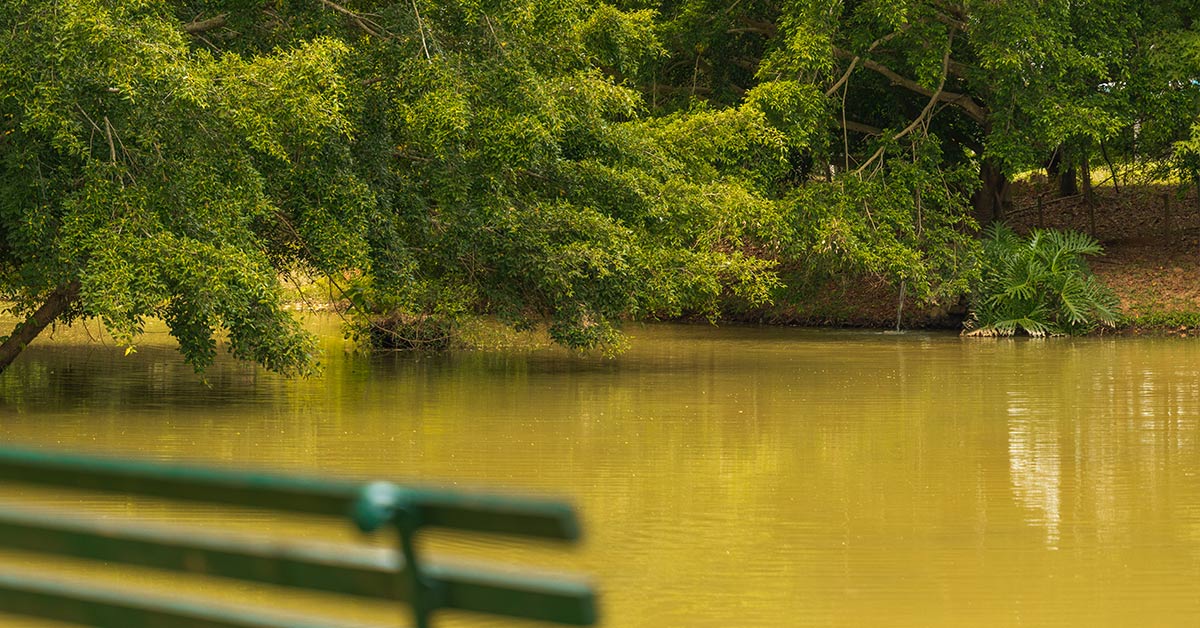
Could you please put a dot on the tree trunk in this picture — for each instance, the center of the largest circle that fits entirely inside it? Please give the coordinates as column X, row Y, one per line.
column 1061, row 174
column 1068, row 183
column 27, row 330
column 994, row 196
column 1085, row 173
column 1089, row 198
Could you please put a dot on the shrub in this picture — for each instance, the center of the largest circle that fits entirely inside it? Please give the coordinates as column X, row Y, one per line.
column 1040, row 284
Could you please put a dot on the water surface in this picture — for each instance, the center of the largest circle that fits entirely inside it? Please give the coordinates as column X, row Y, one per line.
column 736, row 476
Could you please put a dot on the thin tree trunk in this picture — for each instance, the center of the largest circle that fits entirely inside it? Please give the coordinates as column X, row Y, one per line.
column 1085, row 175
column 31, row 327
column 1111, row 168
column 1068, row 184
column 1089, row 198
column 993, row 196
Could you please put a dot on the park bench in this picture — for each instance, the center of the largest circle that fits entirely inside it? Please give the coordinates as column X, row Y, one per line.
column 398, row 574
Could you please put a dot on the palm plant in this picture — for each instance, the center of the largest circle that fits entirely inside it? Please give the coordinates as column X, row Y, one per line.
column 1040, row 284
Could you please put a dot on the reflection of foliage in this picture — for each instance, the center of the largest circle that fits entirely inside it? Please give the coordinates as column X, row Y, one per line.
column 1040, row 285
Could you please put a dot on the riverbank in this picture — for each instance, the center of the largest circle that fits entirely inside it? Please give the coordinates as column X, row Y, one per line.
column 1151, row 238
column 1150, row 234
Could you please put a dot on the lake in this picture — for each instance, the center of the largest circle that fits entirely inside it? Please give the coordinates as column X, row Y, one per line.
column 733, row 476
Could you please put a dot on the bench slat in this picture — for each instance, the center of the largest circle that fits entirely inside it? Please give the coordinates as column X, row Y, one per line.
column 337, row 569
column 317, row 496
column 103, row 607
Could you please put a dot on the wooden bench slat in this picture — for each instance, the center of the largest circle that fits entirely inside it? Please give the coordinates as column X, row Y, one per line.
column 560, row 600
column 346, row 570
column 501, row 515
column 352, row 570
column 342, row 569
column 104, row 607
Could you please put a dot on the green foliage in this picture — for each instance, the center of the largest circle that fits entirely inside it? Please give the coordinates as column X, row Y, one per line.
column 518, row 179
column 559, row 163
column 169, row 181
column 906, row 228
column 1039, row 284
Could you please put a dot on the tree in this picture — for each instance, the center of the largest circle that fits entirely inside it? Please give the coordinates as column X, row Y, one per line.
column 916, row 94
column 436, row 159
column 517, row 177
column 1004, row 85
column 141, row 176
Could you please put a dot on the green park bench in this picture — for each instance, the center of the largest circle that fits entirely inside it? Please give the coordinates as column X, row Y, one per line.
column 400, row 575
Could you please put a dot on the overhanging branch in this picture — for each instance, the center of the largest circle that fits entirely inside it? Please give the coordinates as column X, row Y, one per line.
column 859, row 127
column 201, row 26
column 973, row 109
column 925, row 113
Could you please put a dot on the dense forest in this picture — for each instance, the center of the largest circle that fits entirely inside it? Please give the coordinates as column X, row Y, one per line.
column 566, row 163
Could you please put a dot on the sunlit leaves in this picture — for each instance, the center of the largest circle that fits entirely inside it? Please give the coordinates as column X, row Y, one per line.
column 152, row 173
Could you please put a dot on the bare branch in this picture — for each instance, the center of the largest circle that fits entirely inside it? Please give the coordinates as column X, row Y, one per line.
column 973, row 109
column 859, row 127
column 950, row 11
column 951, row 21
column 112, row 147
column 759, row 27
column 421, row 29
column 933, row 100
column 195, row 28
column 365, row 25
column 854, row 62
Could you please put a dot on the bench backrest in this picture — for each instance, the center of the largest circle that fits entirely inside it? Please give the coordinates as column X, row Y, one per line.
column 400, row 575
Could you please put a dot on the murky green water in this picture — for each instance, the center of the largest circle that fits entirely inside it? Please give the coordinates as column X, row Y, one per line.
column 736, row 477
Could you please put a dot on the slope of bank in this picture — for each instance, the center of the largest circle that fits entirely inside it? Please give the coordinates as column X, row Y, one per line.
column 1151, row 237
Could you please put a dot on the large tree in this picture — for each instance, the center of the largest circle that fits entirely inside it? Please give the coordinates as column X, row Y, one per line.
column 434, row 159
column 1004, row 85
column 906, row 119
column 143, row 176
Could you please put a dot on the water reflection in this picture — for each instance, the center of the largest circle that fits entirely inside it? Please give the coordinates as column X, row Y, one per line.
column 736, row 477
column 1033, row 461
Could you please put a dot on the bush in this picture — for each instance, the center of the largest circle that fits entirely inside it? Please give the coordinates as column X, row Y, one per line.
column 1040, row 284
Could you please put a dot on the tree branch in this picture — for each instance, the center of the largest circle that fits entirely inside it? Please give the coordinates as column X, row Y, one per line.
column 854, row 62
column 195, row 28
column 973, row 109
column 933, row 100
column 859, row 127
column 359, row 21
column 55, row 304
column 760, row 27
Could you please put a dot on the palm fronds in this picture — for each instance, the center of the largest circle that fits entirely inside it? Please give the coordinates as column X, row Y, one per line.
column 1040, row 285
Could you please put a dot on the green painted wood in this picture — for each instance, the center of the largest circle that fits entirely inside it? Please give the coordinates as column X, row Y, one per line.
column 559, row 600
column 341, row 569
column 486, row 513
column 103, row 607
column 356, row 571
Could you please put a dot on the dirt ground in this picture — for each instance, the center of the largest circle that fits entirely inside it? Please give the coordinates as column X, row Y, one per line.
column 1151, row 236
